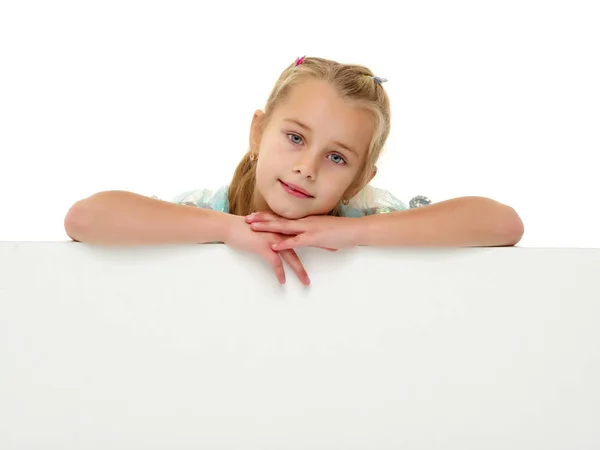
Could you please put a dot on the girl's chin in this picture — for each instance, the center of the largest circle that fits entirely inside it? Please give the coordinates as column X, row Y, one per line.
column 288, row 212
column 291, row 215
column 284, row 209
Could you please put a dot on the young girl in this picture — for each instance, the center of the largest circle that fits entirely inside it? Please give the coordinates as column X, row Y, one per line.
column 303, row 182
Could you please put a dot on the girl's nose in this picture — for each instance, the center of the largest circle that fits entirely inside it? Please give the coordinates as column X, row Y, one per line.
column 306, row 166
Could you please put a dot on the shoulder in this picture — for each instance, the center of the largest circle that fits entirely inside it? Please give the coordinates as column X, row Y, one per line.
column 371, row 200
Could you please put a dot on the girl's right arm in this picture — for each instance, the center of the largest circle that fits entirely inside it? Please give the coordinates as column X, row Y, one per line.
column 126, row 218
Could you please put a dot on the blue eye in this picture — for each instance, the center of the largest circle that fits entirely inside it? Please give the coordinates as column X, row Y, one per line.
column 295, row 136
column 337, row 159
column 334, row 157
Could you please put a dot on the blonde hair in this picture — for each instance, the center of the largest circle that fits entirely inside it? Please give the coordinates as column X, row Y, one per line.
column 353, row 83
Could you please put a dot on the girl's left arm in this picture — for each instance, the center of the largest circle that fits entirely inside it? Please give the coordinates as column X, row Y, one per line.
column 463, row 222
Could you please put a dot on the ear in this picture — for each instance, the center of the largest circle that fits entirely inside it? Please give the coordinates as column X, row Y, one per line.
column 373, row 173
column 256, row 130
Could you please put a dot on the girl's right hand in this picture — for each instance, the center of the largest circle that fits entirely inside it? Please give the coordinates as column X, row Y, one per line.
column 241, row 236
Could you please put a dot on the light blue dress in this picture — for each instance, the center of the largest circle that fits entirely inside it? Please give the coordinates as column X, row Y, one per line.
column 368, row 201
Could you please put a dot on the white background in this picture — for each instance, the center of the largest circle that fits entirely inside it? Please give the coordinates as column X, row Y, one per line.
column 498, row 99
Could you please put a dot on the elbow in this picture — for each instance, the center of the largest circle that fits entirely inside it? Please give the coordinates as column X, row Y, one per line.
column 81, row 220
column 74, row 222
column 511, row 228
column 80, row 216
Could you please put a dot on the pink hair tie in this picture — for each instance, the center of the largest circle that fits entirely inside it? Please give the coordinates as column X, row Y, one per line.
column 299, row 61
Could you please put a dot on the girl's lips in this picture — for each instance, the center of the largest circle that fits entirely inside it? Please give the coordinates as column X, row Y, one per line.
column 295, row 190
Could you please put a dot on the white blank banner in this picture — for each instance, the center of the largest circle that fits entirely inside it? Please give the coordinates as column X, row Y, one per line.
column 198, row 347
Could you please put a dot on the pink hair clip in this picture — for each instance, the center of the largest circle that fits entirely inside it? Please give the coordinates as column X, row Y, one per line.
column 299, row 61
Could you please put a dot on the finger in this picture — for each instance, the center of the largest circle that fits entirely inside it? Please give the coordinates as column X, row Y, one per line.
column 276, row 262
column 261, row 217
column 326, row 248
column 290, row 257
column 294, row 242
column 281, row 226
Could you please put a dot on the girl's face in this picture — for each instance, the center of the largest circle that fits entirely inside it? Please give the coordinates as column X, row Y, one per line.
column 310, row 152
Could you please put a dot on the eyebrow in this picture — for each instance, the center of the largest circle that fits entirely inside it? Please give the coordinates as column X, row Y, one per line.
column 306, row 127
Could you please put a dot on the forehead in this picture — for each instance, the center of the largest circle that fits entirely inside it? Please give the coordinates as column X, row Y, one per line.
column 317, row 104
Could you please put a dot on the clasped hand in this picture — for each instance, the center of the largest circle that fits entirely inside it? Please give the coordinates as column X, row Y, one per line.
column 275, row 238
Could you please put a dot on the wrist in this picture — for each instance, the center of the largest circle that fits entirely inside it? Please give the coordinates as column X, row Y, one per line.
column 211, row 226
column 371, row 230
column 357, row 227
column 227, row 226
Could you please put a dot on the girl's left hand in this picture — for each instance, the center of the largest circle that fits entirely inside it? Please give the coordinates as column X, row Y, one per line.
column 327, row 232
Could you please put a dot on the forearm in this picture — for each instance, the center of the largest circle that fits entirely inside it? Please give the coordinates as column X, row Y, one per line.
column 460, row 222
column 126, row 218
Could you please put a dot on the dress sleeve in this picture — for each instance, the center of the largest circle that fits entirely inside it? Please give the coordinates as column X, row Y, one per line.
column 371, row 200
column 204, row 198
